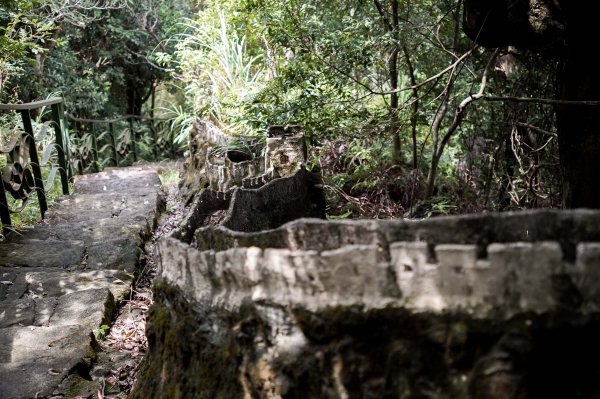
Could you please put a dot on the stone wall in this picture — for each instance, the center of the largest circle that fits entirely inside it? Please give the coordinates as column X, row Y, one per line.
column 364, row 269
column 265, row 304
column 210, row 161
column 482, row 306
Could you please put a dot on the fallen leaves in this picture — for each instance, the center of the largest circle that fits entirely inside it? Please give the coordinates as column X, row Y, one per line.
column 127, row 333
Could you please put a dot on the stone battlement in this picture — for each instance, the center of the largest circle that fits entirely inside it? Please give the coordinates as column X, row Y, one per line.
column 258, row 299
column 320, row 264
column 216, row 161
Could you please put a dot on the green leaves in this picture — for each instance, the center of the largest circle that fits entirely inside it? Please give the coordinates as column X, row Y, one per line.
column 218, row 72
column 101, row 332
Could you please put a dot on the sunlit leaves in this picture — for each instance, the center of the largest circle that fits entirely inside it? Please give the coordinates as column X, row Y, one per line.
column 218, row 72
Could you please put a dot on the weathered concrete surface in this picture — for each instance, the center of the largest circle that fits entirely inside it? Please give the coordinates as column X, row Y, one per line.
column 278, row 202
column 251, row 210
column 61, row 279
column 247, row 305
column 481, row 306
column 214, row 161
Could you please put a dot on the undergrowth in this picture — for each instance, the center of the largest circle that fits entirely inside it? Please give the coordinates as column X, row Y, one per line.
column 361, row 181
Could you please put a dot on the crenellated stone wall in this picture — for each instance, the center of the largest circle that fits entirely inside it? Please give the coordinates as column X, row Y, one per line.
column 214, row 161
column 264, row 303
column 478, row 306
column 319, row 264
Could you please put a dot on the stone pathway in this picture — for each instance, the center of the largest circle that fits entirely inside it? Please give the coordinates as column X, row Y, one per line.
column 61, row 279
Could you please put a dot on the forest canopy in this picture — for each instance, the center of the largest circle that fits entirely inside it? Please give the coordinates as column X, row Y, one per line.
column 401, row 109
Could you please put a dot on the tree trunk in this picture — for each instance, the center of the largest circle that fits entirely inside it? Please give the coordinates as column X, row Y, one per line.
column 579, row 133
column 436, row 152
column 415, row 105
column 393, row 71
column 564, row 30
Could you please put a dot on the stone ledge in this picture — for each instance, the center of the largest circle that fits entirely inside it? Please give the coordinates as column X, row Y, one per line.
column 568, row 228
column 514, row 278
column 41, row 356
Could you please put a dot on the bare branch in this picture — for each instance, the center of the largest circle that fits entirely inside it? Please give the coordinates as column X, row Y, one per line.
column 548, row 101
column 460, row 110
column 442, row 72
column 145, row 58
column 536, row 129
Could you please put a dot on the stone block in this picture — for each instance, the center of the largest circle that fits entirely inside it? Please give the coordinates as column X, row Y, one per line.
column 528, row 269
column 89, row 308
column 113, row 254
column 176, row 267
column 285, row 150
column 290, row 276
column 34, row 360
column 408, row 259
column 279, row 277
column 232, row 269
column 44, row 309
column 455, row 267
column 352, row 274
column 201, row 279
column 587, row 273
column 41, row 253
column 487, row 285
column 57, row 283
column 17, row 313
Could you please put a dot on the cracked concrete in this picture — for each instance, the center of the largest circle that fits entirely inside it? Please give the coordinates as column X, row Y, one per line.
column 61, row 279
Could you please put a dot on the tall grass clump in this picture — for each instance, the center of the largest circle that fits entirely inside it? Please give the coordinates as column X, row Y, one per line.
column 212, row 64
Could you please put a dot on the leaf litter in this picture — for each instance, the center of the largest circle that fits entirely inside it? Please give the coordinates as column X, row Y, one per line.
column 125, row 345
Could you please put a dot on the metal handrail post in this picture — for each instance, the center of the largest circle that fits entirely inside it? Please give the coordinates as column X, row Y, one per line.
column 35, row 162
column 95, row 148
column 4, row 211
column 67, row 141
column 113, row 143
column 60, row 142
column 154, row 139
column 133, row 148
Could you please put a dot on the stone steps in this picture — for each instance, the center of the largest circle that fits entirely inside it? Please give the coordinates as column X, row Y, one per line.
column 61, row 279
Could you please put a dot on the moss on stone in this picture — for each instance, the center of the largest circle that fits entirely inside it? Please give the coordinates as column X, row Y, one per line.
column 186, row 357
column 80, row 387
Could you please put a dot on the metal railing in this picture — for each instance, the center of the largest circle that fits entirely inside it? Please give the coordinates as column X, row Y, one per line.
column 22, row 174
column 88, row 146
column 119, row 141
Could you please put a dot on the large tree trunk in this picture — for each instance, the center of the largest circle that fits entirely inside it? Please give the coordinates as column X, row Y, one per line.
column 393, row 71
column 579, row 130
column 565, row 30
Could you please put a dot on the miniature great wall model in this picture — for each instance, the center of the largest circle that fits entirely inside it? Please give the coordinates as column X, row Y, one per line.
column 258, row 296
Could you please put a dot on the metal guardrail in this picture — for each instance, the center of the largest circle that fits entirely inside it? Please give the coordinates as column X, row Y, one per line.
column 117, row 141
column 22, row 174
column 88, row 146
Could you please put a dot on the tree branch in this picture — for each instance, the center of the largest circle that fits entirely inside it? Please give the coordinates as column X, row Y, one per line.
column 145, row 58
column 460, row 110
column 536, row 129
column 382, row 14
column 548, row 101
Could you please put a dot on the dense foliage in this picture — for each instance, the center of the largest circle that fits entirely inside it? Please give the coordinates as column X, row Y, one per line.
column 393, row 97
column 94, row 53
column 390, row 94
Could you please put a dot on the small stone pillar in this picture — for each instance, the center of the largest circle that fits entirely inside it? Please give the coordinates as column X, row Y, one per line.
column 286, row 150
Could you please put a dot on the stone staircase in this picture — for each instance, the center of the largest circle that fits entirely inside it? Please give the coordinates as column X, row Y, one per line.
column 61, row 279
